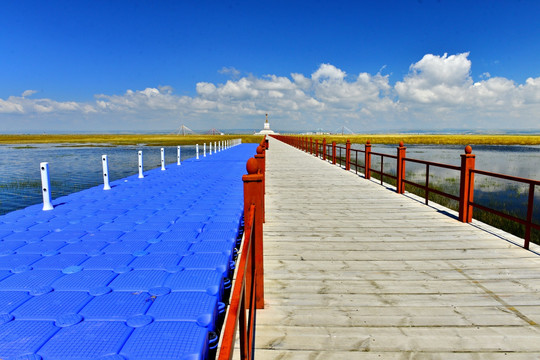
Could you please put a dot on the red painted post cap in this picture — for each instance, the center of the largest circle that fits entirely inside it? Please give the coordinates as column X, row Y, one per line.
column 401, row 144
column 468, row 149
column 368, row 142
column 260, row 149
column 252, row 166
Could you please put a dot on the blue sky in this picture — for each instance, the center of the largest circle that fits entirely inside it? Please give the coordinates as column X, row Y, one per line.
column 376, row 65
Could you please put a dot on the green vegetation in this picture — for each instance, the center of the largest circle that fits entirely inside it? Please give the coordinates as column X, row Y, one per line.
column 432, row 139
column 124, row 139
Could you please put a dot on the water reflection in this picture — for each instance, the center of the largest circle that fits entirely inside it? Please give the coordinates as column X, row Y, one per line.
column 72, row 168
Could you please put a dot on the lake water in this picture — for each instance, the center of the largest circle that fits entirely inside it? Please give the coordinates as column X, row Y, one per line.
column 71, row 168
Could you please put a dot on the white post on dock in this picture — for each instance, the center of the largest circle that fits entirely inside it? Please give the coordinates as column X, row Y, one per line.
column 140, row 165
column 46, row 186
column 197, row 151
column 162, row 159
column 105, row 162
column 204, row 150
column 178, row 155
column 215, row 147
column 210, row 148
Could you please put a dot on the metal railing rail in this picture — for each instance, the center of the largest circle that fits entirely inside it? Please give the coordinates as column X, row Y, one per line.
column 244, row 289
column 248, row 288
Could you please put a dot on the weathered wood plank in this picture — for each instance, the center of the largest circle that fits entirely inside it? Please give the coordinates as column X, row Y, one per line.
column 354, row 270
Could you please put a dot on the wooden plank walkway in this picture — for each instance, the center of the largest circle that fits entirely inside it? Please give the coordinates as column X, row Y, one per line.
column 354, row 270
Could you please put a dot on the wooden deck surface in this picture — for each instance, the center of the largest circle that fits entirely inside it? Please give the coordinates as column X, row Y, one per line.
column 356, row 271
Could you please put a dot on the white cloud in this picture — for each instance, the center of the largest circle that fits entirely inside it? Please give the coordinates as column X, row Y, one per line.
column 328, row 72
column 28, row 93
column 438, row 92
column 229, row 71
column 23, row 105
column 437, row 79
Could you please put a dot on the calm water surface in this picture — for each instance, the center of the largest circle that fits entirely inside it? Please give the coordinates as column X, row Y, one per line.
column 71, row 168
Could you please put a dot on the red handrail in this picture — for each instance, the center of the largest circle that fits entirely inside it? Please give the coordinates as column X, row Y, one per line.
column 237, row 308
column 248, row 288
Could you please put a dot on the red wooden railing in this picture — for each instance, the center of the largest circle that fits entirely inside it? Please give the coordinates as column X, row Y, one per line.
column 341, row 155
column 248, row 288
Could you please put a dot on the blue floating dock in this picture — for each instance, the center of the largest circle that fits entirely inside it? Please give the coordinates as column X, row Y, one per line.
column 135, row 272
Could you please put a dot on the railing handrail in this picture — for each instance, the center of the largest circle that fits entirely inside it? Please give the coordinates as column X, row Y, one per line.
column 248, row 288
column 383, row 154
column 236, row 311
column 432, row 163
column 358, row 150
column 506, row 177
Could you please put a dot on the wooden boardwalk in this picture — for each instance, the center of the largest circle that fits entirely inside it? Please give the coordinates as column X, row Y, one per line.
column 356, row 271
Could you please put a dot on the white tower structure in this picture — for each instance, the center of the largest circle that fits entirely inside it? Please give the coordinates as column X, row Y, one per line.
column 266, row 130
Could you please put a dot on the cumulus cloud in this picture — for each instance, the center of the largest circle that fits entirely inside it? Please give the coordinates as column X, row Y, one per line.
column 229, row 71
column 23, row 105
column 437, row 79
column 28, row 93
column 438, row 92
column 441, row 87
column 132, row 101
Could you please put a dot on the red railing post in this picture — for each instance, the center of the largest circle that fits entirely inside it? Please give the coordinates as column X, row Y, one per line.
column 253, row 195
column 348, row 155
column 334, row 152
column 466, row 185
column 317, row 148
column 367, row 160
column 530, row 209
column 400, row 169
column 311, row 145
column 324, row 149
column 261, row 162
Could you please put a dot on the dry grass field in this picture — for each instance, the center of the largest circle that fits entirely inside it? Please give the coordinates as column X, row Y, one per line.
column 171, row 140
column 433, row 139
column 124, row 139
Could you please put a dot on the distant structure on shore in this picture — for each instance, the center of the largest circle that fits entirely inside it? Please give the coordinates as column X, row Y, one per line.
column 183, row 130
column 266, row 130
column 343, row 130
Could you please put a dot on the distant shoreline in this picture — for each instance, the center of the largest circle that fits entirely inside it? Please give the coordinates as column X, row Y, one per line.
column 431, row 139
column 123, row 139
column 172, row 140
